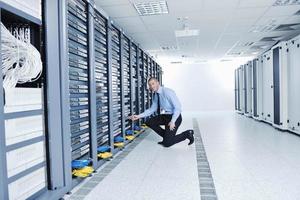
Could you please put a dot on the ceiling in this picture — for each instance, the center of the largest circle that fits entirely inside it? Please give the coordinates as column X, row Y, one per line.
column 227, row 28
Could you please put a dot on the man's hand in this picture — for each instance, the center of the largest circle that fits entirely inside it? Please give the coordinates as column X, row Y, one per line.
column 134, row 117
column 172, row 126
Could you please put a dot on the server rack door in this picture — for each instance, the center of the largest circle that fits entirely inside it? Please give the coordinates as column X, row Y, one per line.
column 241, row 89
column 276, row 85
column 293, row 85
column 268, row 98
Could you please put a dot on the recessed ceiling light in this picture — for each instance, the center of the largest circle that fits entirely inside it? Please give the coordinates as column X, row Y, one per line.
column 152, row 8
column 286, row 2
column 186, row 33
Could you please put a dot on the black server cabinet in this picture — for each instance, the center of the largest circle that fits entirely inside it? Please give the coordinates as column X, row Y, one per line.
column 145, row 80
column 79, row 78
column 127, row 82
column 116, row 82
column 254, row 82
column 141, row 83
column 276, row 85
column 101, row 79
column 135, row 81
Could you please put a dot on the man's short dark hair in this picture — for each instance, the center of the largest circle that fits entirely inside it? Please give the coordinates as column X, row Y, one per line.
column 152, row 78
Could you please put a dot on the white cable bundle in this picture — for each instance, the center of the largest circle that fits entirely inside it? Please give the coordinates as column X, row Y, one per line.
column 21, row 61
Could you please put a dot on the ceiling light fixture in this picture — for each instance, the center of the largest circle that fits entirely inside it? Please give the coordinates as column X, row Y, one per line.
column 151, row 8
column 286, row 2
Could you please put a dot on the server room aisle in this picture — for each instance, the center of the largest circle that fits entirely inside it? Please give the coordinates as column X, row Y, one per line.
column 151, row 172
column 249, row 159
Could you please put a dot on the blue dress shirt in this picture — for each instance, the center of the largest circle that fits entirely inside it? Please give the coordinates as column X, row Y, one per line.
column 169, row 104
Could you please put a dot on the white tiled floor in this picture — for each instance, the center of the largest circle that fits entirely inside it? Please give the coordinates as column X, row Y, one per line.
column 249, row 160
column 152, row 172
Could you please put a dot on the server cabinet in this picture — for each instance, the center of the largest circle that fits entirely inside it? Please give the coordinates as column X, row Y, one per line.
column 116, row 82
column 23, row 108
column 293, row 85
column 268, row 98
column 241, row 89
column 135, row 81
column 141, row 82
column 257, row 88
column 248, row 71
column 127, row 79
column 145, row 80
column 280, row 85
column 236, row 90
column 101, row 80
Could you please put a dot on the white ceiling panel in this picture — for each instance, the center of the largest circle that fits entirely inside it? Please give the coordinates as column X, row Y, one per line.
column 126, row 10
column 282, row 11
column 102, row 3
column 255, row 3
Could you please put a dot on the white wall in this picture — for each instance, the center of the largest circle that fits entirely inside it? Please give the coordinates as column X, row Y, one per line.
column 202, row 87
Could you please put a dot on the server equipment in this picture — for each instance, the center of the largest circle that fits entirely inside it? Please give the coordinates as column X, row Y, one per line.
column 79, row 79
column 268, row 98
column 257, row 88
column 116, row 82
column 241, row 89
column 293, row 85
column 135, row 81
column 127, row 88
column 236, row 90
column 248, row 88
column 101, row 79
column 280, row 67
column 142, row 102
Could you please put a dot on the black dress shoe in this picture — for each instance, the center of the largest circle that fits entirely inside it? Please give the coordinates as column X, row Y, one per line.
column 190, row 136
column 161, row 143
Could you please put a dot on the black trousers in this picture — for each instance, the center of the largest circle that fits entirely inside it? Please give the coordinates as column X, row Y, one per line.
column 169, row 137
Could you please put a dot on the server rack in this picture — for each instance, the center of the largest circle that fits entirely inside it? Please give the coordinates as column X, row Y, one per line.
column 127, row 80
column 116, row 82
column 268, row 99
column 142, row 103
column 23, row 162
column 293, row 85
column 145, row 80
column 135, row 81
column 236, row 90
column 101, row 80
column 249, row 88
column 79, row 89
column 241, row 89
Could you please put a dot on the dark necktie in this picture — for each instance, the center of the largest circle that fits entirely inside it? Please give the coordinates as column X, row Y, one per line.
column 158, row 104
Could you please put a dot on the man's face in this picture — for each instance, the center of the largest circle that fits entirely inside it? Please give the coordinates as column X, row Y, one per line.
column 153, row 85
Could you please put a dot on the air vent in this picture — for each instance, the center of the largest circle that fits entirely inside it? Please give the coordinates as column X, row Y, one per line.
column 288, row 27
column 286, row 2
column 152, row 8
column 269, row 26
